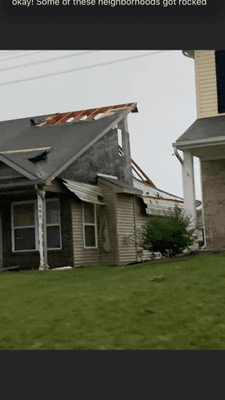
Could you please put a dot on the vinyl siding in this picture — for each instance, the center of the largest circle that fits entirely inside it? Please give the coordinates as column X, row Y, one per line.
column 126, row 229
column 206, row 83
column 83, row 256
column 110, row 199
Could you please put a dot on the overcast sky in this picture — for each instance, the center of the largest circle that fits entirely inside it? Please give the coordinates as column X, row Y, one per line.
column 162, row 83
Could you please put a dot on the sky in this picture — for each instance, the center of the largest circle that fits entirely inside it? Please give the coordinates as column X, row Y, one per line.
column 162, row 83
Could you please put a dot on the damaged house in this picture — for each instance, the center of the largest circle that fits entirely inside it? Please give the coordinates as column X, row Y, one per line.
column 67, row 191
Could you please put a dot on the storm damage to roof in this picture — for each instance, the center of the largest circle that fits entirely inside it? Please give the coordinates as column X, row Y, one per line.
column 41, row 147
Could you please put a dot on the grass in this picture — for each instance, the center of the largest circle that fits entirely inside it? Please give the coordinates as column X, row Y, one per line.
column 116, row 307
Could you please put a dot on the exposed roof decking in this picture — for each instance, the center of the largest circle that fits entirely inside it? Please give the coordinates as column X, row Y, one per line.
column 64, row 142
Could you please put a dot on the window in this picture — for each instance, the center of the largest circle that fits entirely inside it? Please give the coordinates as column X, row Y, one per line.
column 220, row 74
column 89, row 224
column 25, row 225
column 53, row 224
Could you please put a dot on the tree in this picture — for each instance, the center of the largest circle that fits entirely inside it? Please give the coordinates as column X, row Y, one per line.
column 170, row 233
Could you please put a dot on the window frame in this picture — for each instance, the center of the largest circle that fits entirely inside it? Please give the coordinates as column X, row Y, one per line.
column 59, row 224
column 90, row 224
column 13, row 228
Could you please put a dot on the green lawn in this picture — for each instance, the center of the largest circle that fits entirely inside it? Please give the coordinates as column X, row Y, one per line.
column 116, row 307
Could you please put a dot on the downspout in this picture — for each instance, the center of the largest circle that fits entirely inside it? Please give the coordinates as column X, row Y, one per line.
column 42, row 230
column 178, row 155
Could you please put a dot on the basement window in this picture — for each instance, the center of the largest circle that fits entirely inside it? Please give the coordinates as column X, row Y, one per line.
column 25, row 225
column 89, row 225
column 220, row 74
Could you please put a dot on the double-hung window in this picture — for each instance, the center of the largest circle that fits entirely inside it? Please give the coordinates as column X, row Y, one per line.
column 53, row 224
column 89, row 225
column 25, row 225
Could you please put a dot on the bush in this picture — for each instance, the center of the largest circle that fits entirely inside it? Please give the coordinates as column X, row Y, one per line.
column 170, row 233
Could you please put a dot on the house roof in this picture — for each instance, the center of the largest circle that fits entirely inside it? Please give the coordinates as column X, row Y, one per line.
column 42, row 147
column 153, row 192
column 119, row 186
column 204, row 129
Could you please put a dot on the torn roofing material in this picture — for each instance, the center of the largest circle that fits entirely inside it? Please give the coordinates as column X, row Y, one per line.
column 84, row 191
column 154, row 192
column 18, row 138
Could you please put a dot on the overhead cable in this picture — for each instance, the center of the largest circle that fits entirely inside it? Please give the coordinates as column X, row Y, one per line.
column 24, row 55
column 81, row 68
column 47, row 61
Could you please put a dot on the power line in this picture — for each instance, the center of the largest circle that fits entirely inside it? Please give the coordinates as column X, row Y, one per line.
column 81, row 68
column 25, row 55
column 46, row 61
column 6, row 53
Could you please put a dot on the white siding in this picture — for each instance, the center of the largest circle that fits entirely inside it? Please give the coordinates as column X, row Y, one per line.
column 206, row 83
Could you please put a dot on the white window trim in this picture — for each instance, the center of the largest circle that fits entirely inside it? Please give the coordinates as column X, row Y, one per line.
column 34, row 226
column 90, row 224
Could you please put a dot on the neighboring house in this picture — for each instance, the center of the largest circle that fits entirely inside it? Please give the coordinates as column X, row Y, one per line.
column 205, row 139
column 68, row 196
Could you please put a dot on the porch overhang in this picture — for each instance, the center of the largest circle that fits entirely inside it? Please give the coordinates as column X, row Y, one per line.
column 205, row 149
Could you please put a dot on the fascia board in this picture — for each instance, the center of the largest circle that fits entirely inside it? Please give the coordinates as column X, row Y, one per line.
column 199, row 143
column 84, row 149
column 17, row 167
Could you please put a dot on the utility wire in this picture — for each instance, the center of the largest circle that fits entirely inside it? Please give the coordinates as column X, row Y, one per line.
column 81, row 68
column 25, row 55
column 46, row 61
column 6, row 53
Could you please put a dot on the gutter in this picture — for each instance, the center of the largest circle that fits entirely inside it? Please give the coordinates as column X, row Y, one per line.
column 186, row 54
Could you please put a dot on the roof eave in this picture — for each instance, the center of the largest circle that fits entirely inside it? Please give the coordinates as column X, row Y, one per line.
column 199, row 143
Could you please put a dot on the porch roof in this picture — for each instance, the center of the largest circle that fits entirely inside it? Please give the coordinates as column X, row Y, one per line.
column 202, row 131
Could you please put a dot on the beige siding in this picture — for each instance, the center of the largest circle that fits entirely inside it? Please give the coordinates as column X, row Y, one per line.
column 7, row 172
column 83, row 256
column 206, row 83
column 109, row 214
column 126, row 229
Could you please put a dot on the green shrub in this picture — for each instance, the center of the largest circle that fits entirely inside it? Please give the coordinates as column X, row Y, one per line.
column 170, row 233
